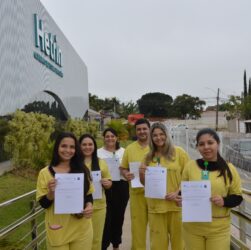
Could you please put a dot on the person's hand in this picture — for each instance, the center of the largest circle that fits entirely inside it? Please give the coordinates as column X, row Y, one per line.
column 178, row 200
column 217, row 200
column 106, row 183
column 88, row 210
column 129, row 176
column 142, row 170
column 172, row 196
column 51, row 186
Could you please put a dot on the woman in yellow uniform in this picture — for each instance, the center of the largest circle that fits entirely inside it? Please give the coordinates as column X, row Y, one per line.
column 65, row 231
column 225, row 190
column 164, row 214
column 89, row 149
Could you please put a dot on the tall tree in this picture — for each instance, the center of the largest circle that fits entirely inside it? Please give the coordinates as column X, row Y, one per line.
column 47, row 108
column 95, row 102
column 249, row 87
column 245, row 84
column 246, row 99
column 184, row 105
column 112, row 105
column 155, row 104
column 128, row 108
column 233, row 106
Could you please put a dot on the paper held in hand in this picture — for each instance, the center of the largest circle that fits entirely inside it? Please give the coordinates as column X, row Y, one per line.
column 113, row 164
column 196, row 204
column 96, row 178
column 155, row 182
column 69, row 193
column 134, row 168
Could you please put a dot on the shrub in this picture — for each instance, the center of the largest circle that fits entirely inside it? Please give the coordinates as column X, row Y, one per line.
column 28, row 140
column 131, row 130
column 76, row 126
column 93, row 128
column 4, row 129
column 79, row 127
column 120, row 128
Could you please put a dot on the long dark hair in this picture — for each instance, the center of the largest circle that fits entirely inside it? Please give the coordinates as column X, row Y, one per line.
column 95, row 162
column 113, row 131
column 76, row 162
column 221, row 163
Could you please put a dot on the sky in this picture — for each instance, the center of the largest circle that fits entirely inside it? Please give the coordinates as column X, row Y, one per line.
column 133, row 47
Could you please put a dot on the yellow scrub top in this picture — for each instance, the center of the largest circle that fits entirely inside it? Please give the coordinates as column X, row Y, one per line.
column 105, row 173
column 192, row 172
column 72, row 228
column 134, row 153
column 174, row 175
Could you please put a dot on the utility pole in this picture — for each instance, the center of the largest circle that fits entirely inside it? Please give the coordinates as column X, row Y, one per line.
column 217, row 109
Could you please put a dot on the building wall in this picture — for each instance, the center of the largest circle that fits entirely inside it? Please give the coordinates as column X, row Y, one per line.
column 21, row 76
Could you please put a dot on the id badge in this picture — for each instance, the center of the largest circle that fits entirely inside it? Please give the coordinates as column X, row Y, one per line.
column 204, row 175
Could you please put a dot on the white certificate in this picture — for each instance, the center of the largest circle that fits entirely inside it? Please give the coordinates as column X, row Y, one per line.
column 134, row 168
column 155, row 182
column 96, row 178
column 113, row 164
column 69, row 193
column 196, row 204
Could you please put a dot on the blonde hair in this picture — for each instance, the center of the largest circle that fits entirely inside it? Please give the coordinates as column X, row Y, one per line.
column 168, row 149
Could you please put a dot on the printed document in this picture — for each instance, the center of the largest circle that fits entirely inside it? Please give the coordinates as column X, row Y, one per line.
column 134, row 168
column 113, row 164
column 69, row 193
column 155, row 182
column 196, row 204
column 96, row 178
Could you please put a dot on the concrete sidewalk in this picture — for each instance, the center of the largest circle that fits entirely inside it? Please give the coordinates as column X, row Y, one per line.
column 126, row 237
column 5, row 166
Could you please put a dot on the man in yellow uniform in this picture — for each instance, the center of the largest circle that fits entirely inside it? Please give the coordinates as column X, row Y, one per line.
column 135, row 153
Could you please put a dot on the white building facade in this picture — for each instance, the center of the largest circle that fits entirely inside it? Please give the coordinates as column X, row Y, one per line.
column 36, row 57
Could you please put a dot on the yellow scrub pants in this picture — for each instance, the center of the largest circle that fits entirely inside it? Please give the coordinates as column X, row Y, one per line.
column 98, row 222
column 207, row 235
column 84, row 242
column 139, row 219
column 165, row 226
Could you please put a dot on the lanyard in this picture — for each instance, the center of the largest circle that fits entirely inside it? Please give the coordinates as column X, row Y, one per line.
column 205, row 173
column 158, row 161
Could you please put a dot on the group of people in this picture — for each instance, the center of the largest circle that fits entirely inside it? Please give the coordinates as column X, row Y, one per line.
column 100, row 223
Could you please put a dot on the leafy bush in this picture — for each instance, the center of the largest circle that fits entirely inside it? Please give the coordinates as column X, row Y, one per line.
column 4, row 129
column 120, row 128
column 131, row 130
column 93, row 128
column 79, row 127
column 28, row 140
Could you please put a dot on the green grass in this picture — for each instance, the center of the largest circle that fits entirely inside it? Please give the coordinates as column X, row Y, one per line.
column 11, row 186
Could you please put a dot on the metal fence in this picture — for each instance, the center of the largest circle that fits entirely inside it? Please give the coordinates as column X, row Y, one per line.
column 187, row 139
column 34, row 237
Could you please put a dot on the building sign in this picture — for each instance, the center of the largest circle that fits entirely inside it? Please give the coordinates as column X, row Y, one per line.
column 48, row 45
